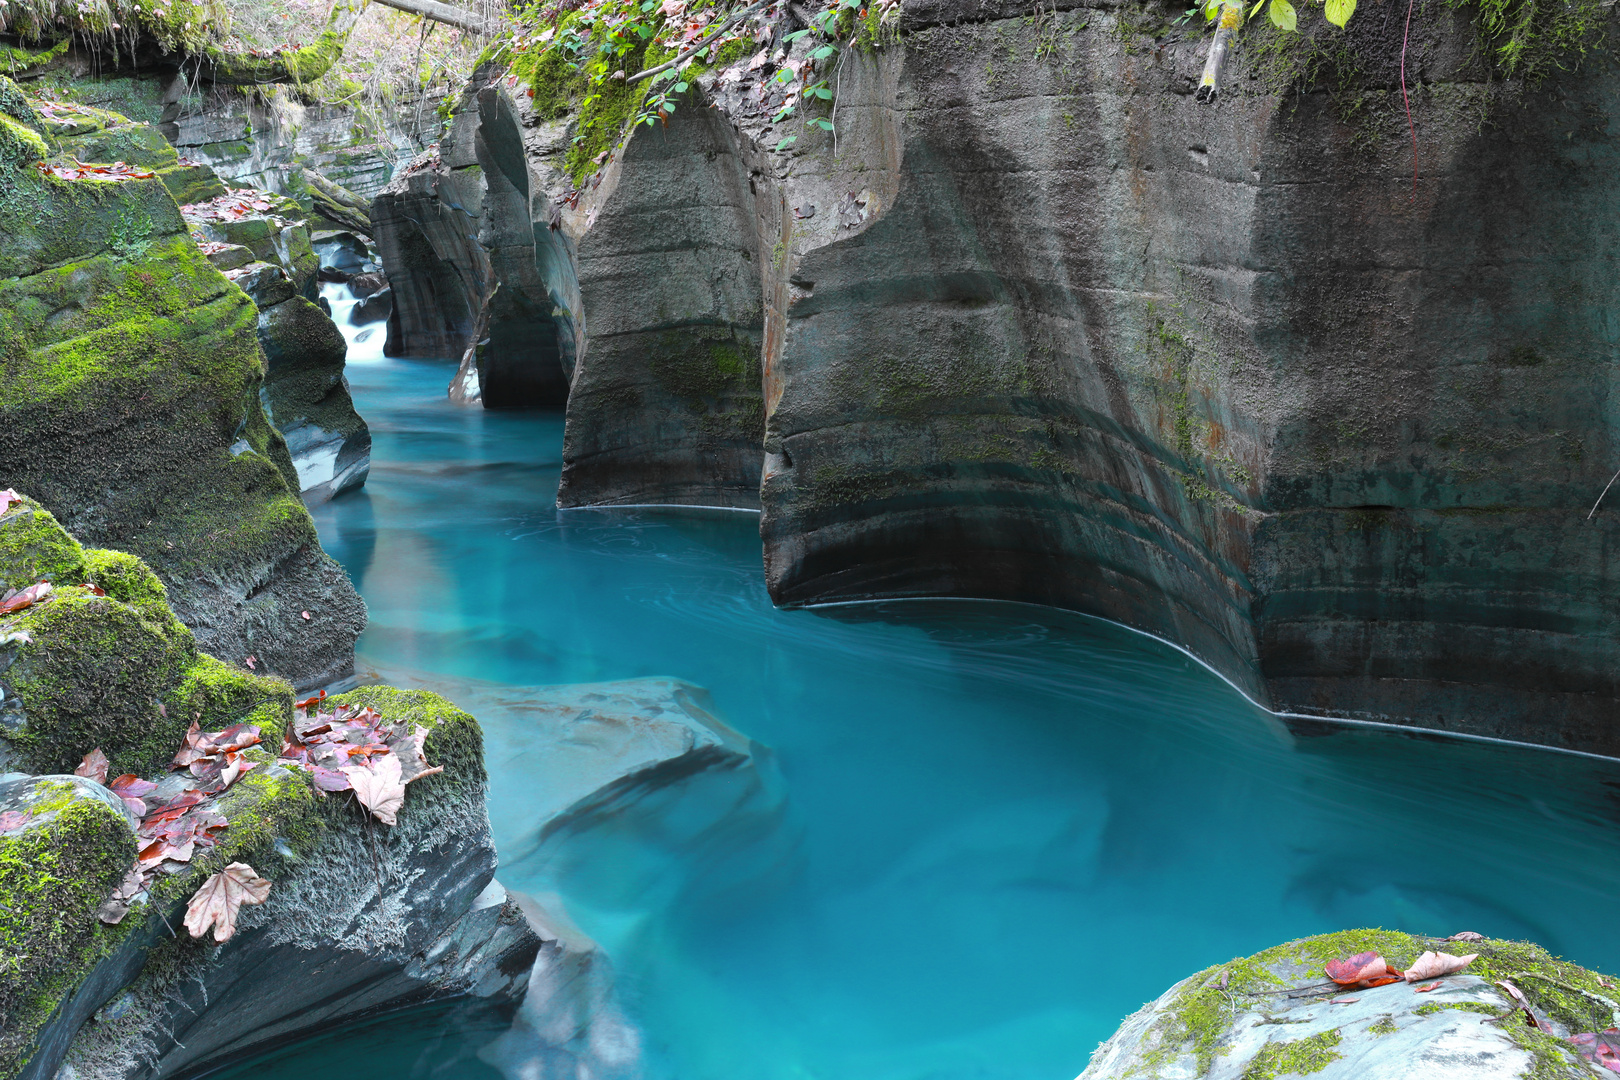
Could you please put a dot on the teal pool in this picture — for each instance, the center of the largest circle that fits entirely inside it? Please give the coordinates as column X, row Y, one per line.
column 1007, row 827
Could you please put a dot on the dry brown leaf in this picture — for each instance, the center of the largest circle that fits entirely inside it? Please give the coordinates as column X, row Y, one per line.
column 1432, row 965
column 1466, row 935
column 94, row 766
column 219, row 899
column 378, row 787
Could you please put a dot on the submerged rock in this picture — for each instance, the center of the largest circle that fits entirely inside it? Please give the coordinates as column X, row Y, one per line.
column 129, row 406
column 1245, row 1020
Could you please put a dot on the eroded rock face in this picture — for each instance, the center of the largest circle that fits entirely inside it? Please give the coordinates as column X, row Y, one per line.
column 129, row 406
column 1240, row 1020
column 271, row 255
column 1042, row 327
column 451, row 227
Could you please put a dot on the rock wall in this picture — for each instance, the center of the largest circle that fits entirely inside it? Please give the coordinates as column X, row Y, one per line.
column 261, row 242
column 1039, row 326
column 453, row 226
column 129, row 378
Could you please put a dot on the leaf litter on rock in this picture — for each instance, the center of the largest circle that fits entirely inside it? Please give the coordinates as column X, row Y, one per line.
column 342, row 750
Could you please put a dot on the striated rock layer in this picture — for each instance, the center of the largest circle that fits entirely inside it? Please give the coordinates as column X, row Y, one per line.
column 1041, row 327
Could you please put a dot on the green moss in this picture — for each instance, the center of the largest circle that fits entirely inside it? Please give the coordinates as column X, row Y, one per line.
column 1385, row 1025
column 92, row 677
column 1457, row 1006
column 1298, row 1057
column 215, row 695
column 19, row 143
column 34, row 547
column 53, row 875
column 126, row 578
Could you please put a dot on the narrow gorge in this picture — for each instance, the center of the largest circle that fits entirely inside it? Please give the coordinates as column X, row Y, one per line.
column 690, row 540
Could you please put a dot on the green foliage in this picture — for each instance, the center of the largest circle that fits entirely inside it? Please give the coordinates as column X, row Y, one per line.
column 1532, row 39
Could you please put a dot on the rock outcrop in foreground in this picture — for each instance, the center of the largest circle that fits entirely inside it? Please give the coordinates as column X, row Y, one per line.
column 360, row 916
column 130, row 372
column 1239, row 1021
column 1039, row 326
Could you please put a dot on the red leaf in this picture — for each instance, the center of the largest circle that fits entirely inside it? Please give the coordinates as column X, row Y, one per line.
column 18, row 599
column 14, row 819
column 94, row 588
column 1362, row 971
column 1426, row 987
column 329, row 779
column 93, row 766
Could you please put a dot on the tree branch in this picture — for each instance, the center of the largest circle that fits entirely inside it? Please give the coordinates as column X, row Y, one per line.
column 296, row 66
column 694, row 49
column 448, row 14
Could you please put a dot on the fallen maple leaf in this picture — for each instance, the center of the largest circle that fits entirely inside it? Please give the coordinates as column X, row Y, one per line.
column 133, row 790
column 1426, row 987
column 94, row 588
column 93, row 766
column 14, row 819
column 378, row 787
column 1362, row 971
column 8, row 498
column 1432, row 965
column 219, row 899
column 1600, row 1048
column 253, row 665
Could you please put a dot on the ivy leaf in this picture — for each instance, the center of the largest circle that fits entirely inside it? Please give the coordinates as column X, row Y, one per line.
column 787, row 142
column 1282, row 14
column 1338, row 12
column 823, row 52
column 795, row 36
column 219, row 899
column 1258, row 4
column 680, row 88
column 822, row 123
column 1212, row 8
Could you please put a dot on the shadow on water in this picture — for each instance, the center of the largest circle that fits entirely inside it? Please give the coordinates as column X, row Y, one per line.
column 1001, row 828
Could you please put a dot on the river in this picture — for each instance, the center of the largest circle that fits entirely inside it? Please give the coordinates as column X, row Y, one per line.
column 1007, row 826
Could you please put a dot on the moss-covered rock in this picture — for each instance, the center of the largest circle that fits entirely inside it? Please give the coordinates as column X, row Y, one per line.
column 1274, row 1014
column 129, row 406
column 57, row 865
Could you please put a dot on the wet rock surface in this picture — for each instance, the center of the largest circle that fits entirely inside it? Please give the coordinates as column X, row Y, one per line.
column 262, row 243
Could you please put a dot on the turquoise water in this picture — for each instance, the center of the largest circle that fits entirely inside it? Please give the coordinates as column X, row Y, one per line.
column 1006, row 827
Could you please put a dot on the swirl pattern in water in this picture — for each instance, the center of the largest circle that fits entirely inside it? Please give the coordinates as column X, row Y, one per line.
column 1000, row 829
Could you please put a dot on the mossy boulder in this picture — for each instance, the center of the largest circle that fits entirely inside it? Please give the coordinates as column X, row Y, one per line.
column 64, row 851
column 129, row 406
column 118, row 672
column 1274, row 1014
